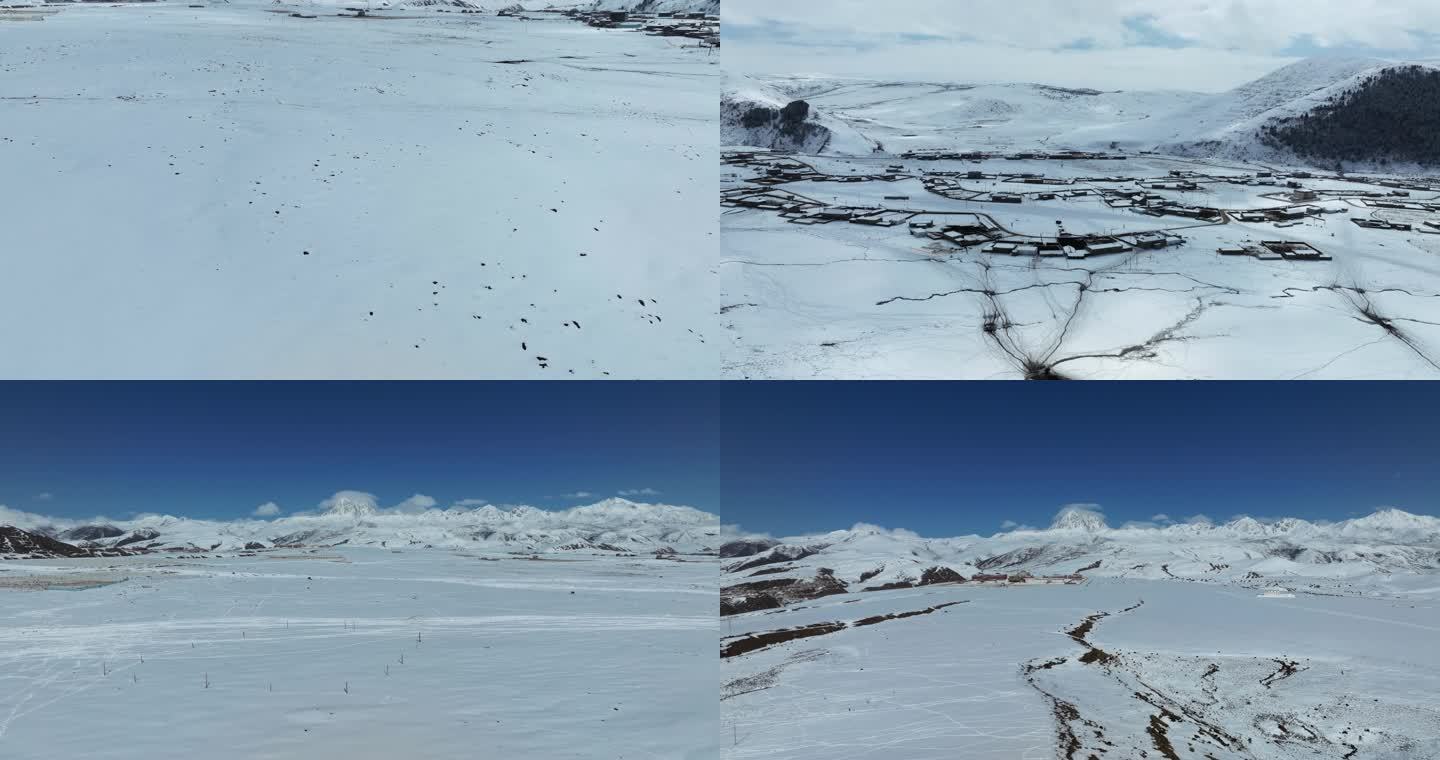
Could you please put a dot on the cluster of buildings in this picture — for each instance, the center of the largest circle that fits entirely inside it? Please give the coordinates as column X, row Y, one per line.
column 939, row 154
column 1203, row 213
column 697, row 26
column 962, row 235
column 1025, row 577
column 1285, row 216
column 798, row 209
column 1277, row 250
column 779, row 169
column 1401, row 205
column 768, row 200
column 1381, row 224
column 1068, row 246
column 1143, row 197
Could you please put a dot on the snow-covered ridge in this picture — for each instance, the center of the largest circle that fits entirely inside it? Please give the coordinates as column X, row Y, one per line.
column 353, row 518
column 1230, row 125
column 745, row 100
column 1375, row 548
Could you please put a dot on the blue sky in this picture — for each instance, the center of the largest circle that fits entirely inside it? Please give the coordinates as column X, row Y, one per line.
column 220, row 450
column 946, row 459
column 1208, row 45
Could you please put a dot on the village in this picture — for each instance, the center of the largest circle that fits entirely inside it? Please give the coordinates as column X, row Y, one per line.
column 702, row 27
column 943, row 576
column 1025, row 578
column 1280, row 200
column 1068, row 265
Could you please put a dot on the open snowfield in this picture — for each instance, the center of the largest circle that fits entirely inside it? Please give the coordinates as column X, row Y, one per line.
column 1195, row 671
column 846, row 300
column 584, row 657
column 229, row 191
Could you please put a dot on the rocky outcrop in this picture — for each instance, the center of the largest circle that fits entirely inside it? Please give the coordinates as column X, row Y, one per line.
column 22, row 542
column 773, row 594
column 746, row 547
column 940, row 574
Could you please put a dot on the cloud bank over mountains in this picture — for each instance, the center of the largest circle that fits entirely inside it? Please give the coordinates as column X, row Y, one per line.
column 359, row 518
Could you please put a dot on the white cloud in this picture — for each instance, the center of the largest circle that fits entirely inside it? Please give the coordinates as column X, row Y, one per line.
column 1254, row 25
column 21, row 519
column 268, row 509
column 44, row 496
column 1161, row 518
column 733, row 531
column 1177, row 44
column 359, row 498
column 577, row 495
column 470, row 503
column 415, row 504
column 638, row 492
column 1139, row 525
column 365, row 500
column 1198, row 520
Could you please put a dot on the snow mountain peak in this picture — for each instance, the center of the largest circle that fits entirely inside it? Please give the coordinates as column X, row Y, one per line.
column 349, row 506
column 1079, row 517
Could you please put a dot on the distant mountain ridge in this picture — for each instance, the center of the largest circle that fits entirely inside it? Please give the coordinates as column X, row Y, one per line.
column 1363, row 552
column 612, row 525
column 1319, row 111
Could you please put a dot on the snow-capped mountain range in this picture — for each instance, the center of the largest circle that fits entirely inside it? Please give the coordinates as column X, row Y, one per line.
column 1364, row 552
column 612, row 525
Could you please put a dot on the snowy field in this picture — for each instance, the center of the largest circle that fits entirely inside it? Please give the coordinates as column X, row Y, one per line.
column 360, row 654
column 1193, row 671
column 230, row 191
column 845, row 300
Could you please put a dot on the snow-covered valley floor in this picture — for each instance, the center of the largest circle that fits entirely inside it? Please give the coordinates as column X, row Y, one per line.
column 362, row 654
column 805, row 297
column 1172, row 670
column 230, row 191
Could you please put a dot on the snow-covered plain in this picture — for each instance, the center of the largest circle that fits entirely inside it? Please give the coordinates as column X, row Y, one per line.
column 957, row 682
column 230, row 191
column 587, row 657
column 1251, row 639
column 842, row 300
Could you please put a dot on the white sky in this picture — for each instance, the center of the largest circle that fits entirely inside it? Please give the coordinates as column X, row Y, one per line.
column 1209, row 45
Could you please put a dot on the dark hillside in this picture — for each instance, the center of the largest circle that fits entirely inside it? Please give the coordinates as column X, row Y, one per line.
column 1393, row 117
